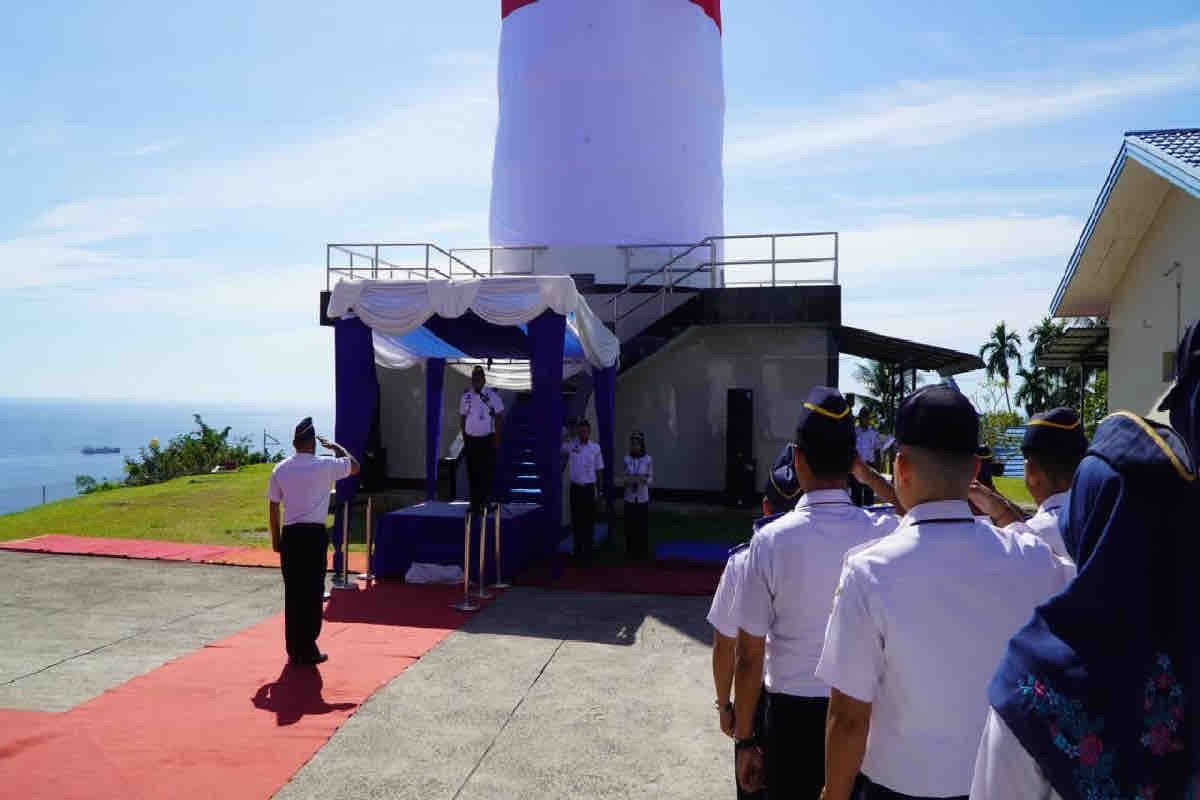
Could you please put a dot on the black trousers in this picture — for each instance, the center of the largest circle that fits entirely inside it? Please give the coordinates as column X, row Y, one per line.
column 302, row 554
column 760, row 714
column 637, row 530
column 864, row 789
column 583, row 518
column 794, row 745
column 481, row 466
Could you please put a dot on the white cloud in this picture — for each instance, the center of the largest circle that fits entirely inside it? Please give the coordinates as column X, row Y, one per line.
column 151, row 148
column 915, row 114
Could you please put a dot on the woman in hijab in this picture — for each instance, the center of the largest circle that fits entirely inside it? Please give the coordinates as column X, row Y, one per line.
column 1098, row 697
column 639, row 474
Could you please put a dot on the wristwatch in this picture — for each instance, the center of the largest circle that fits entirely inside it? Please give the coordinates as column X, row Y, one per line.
column 726, row 706
column 742, row 744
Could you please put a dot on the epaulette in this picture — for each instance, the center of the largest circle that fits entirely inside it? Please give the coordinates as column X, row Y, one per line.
column 737, row 548
column 761, row 521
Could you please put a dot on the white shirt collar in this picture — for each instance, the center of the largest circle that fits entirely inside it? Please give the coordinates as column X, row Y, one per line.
column 823, row 497
column 939, row 510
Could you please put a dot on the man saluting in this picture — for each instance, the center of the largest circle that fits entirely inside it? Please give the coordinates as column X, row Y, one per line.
column 479, row 414
column 301, row 483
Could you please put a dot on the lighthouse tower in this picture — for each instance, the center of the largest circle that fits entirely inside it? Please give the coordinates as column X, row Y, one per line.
column 610, row 127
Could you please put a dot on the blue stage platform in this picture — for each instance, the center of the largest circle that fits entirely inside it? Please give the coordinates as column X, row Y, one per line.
column 432, row 533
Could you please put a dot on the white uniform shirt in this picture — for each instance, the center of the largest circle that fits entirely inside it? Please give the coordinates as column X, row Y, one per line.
column 919, row 623
column 866, row 441
column 643, row 467
column 583, row 461
column 479, row 409
column 721, row 613
column 1004, row 770
column 302, row 484
column 790, row 575
column 1044, row 524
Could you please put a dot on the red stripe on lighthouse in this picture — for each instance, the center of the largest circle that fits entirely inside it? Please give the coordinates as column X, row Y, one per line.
column 509, row 6
column 710, row 7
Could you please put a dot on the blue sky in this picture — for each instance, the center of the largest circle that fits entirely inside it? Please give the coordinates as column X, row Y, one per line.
column 173, row 173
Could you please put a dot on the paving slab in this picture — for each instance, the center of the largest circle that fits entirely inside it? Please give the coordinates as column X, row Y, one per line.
column 546, row 694
column 76, row 626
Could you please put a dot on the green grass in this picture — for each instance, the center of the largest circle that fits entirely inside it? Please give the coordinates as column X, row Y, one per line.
column 227, row 508
column 1014, row 489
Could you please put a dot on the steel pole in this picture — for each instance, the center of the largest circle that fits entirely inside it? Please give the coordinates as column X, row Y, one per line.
column 499, row 584
column 483, row 593
column 466, row 604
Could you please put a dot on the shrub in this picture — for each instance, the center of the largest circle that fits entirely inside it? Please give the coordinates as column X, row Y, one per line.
column 192, row 453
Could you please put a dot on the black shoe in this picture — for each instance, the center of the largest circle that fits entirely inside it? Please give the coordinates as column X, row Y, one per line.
column 309, row 661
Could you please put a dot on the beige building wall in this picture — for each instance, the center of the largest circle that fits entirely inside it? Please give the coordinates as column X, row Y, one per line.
column 677, row 396
column 402, row 417
column 1142, row 313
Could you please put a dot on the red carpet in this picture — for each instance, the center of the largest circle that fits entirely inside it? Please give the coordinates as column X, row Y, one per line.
column 162, row 551
column 631, row 578
column 229, row 720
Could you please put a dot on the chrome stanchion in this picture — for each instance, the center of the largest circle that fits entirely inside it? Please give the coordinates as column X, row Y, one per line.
column 369, row 575
column 466, row 604
column 483, row 593
column 340, row 579
column 499, row 584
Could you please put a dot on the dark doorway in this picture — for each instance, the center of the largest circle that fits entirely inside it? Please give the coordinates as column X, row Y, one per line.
column 740, row 465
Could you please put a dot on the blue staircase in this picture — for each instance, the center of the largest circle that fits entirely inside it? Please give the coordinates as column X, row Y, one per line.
column 1008, row 452
column 516, row 479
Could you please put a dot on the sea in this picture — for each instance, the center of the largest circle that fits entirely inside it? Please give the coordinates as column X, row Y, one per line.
column 41, row 441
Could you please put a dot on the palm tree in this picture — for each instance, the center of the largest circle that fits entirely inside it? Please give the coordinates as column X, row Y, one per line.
column 1001, row 347
column 885, row 386
column 1043, row 335
column 1037, row 389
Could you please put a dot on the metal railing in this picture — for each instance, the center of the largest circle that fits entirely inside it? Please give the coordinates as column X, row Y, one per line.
column 674, row 271
column 375, row 260
column 532, row 250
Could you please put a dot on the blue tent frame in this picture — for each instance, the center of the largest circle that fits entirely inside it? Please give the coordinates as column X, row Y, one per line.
column 545, row 341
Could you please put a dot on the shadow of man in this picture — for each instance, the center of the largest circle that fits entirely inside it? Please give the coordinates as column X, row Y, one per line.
column 295, row 693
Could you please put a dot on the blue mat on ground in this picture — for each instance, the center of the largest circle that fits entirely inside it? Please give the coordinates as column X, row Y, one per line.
column 432, row 533
column 708, row 553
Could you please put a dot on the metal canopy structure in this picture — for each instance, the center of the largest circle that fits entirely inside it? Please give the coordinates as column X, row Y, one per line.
column 905, row 354
column 1077, row 347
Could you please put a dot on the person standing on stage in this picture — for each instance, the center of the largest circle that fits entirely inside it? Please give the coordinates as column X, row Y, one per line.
column 480, row 413
column 639, row 474
column 783, row 602
column 920, row 618
column 866, row 442
column 1053, row 446
column 585, row 466
column 301, row 483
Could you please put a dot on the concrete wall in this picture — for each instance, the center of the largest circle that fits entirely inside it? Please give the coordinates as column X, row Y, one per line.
column 1142, row 315
column 677, row 396
column 402, row 417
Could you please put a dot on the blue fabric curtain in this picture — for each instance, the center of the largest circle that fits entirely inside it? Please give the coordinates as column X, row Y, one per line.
column 357, row 392
column 435, row 381
column 605, row 394
column 545, row 365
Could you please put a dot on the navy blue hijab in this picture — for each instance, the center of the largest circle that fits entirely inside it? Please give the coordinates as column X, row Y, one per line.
column 1102, row 686
column 1183, row 399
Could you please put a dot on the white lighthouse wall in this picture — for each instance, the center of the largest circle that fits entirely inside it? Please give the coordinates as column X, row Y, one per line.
column 610, row 125
column 609, row 264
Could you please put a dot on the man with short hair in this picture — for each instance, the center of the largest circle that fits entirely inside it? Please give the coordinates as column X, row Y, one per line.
column 585, row 466
column 301, row 483
column 783, row 600
column 921, row 617
column 480, row 414
column 1053, row 446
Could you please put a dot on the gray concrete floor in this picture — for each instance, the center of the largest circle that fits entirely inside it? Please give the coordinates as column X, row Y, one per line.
column 73, row 627
column 543, row 695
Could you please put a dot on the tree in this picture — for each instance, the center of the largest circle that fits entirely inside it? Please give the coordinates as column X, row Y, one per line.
column 885, row 386
column 1037, row 389
column 1002, row 347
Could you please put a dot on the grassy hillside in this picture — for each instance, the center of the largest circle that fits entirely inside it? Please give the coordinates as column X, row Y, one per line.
column 228, row 508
